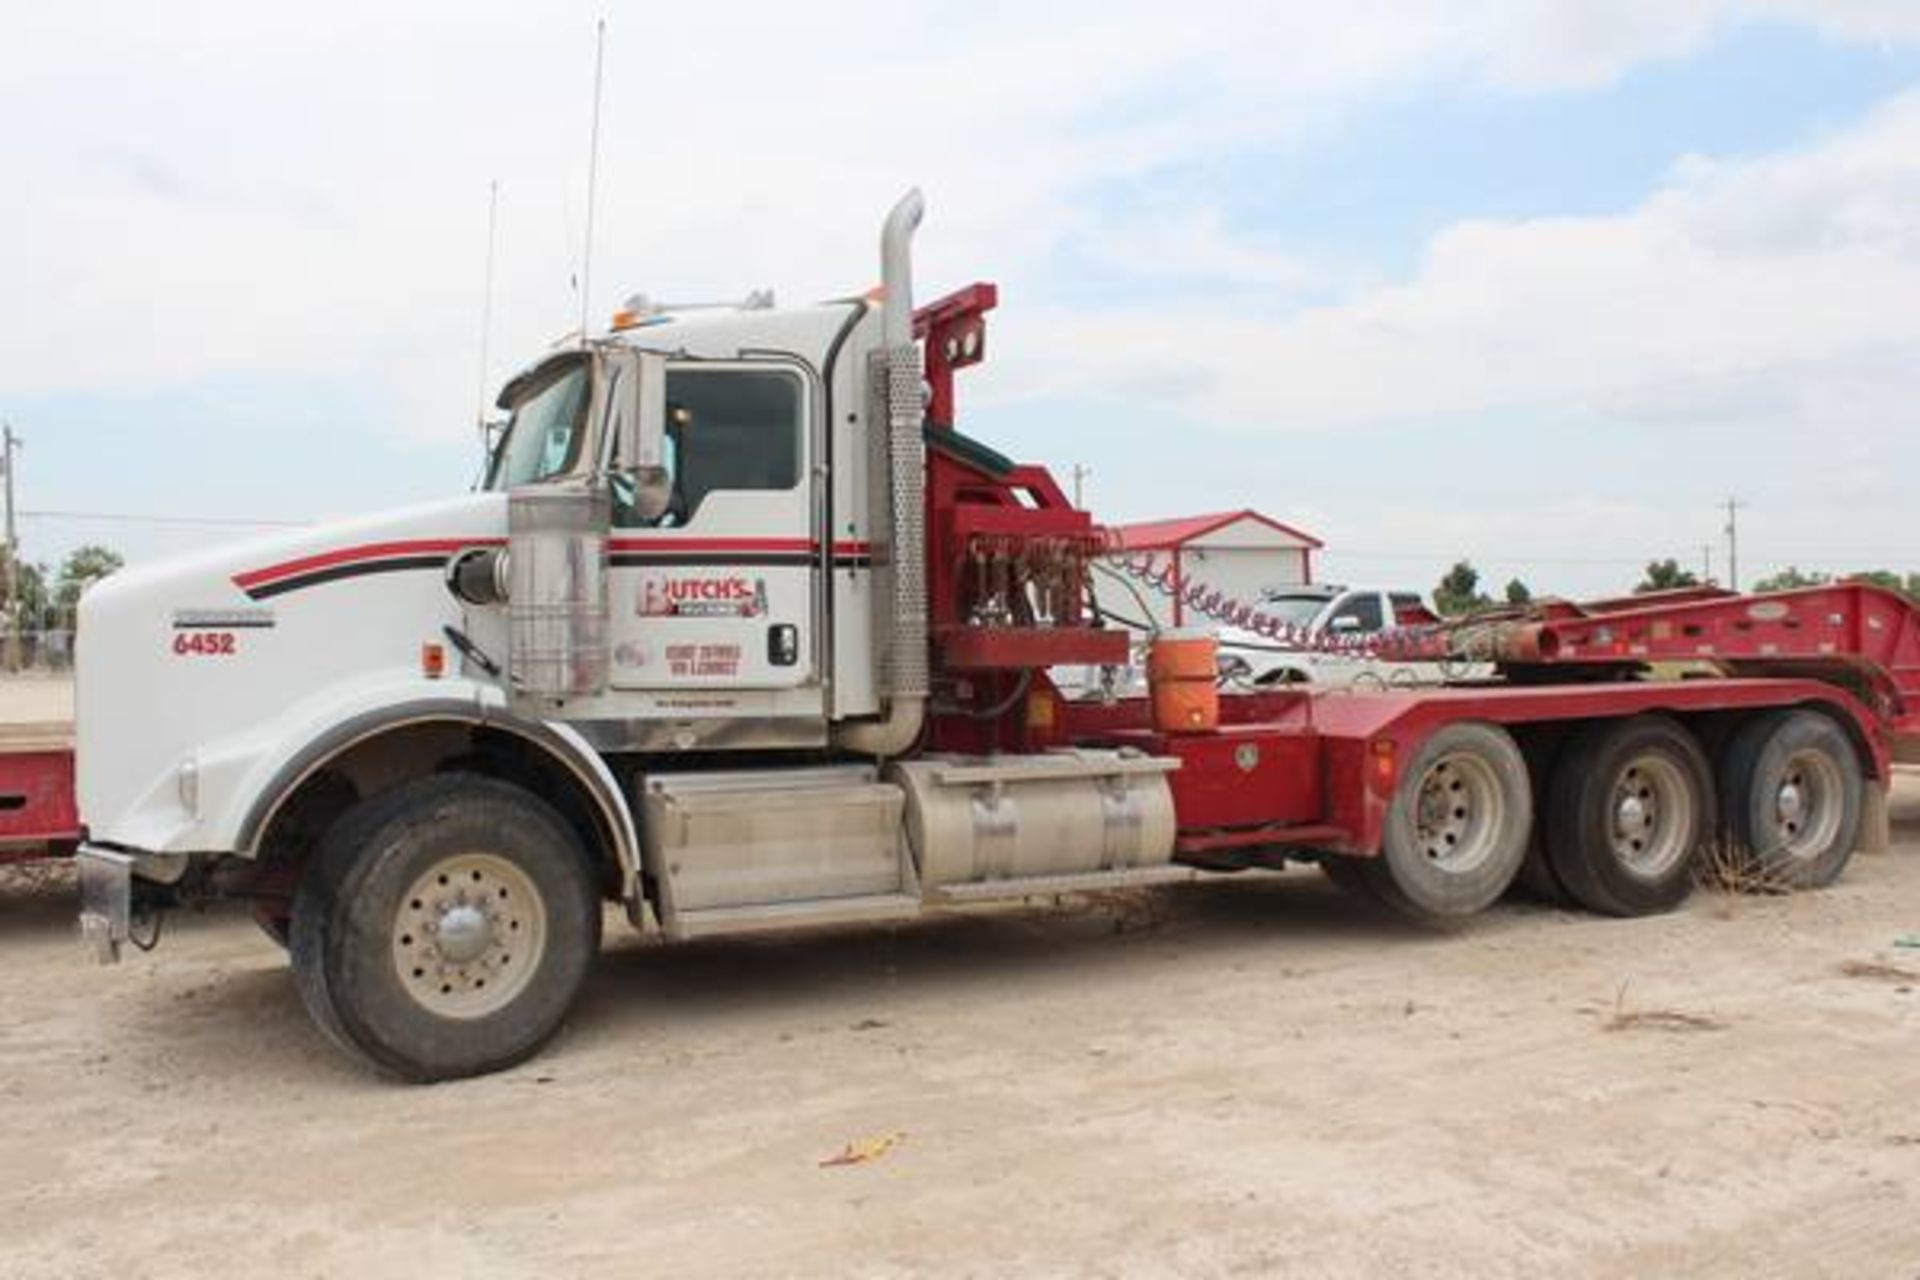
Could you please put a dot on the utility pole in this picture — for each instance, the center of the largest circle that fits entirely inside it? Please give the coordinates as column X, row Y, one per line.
column 11, row 443
column 1080, row 473
column 1733, row 543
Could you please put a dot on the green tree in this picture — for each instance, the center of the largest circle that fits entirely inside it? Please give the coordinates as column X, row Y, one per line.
column 1790, row 578
column 1665, row 575
column 1518, row 592
column 84, row 566
column 1908, row 585
column 35, row 607
column 1459, row 591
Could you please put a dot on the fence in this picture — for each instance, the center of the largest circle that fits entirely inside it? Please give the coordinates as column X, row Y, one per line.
column 50, row 650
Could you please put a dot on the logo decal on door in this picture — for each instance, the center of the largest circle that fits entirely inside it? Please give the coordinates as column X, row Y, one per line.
column 702, row 596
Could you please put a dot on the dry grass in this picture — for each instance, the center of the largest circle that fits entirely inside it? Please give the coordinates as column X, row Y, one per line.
column 1732, row 874
column 1875, row 971
column 1677, row 1020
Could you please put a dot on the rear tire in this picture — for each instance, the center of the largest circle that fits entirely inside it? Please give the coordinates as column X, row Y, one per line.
column 1628, row 810
column 1791, row 784
column 445, row 927
column 1456, row 831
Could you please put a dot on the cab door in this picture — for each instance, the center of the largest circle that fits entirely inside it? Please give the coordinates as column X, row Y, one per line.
column 1352, row 618
column 718, row 592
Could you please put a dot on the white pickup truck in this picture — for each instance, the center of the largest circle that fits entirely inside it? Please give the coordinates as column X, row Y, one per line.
column 1331, row 616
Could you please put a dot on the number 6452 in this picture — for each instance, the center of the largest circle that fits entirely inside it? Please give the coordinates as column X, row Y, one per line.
column 205, row 643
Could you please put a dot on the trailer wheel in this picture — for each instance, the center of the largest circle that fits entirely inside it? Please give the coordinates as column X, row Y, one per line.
column 1628, row 809
column 1456, row 832
column 445, row 927
column 1792, row 784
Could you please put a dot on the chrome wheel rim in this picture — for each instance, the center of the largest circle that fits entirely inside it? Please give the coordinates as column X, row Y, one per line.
column 1651, row 816
column 1806, row 805
column 1458, row 813
column 469, row 935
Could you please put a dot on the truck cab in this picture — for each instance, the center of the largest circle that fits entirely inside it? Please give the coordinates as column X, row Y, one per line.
column 675, row 652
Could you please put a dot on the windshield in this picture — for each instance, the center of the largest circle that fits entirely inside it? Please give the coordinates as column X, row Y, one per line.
column 1298, row 610
column 543, row 432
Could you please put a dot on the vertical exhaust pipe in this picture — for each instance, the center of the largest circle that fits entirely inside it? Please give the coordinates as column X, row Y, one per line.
column 902, row 663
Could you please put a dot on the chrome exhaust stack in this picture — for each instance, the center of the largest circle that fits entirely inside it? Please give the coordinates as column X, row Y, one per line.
column 897, row 518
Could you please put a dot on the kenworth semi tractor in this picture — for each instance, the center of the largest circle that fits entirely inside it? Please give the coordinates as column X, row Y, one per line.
column 741, row 634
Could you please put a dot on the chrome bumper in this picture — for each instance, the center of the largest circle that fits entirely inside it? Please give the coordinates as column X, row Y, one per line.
column 106, row 900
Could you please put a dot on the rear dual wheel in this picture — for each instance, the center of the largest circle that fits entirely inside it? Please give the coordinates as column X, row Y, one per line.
column 1457, row 827
column 1629, row 808
column 1794, row 785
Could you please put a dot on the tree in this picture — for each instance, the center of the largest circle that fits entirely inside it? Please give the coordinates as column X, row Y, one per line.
column 31, row 585
column 1665, row 575
column 1790, row 578
column 84, row 566
column 1908, row 585
column 1518, row 592
column 1459, row 591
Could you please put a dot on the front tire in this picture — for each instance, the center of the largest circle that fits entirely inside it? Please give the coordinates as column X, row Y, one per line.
column 445, row 927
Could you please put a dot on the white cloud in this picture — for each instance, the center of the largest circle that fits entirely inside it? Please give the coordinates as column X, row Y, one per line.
column 1779, row 290
column 222, row 192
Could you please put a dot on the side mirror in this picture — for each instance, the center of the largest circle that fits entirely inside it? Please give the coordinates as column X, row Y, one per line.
column 636, row 401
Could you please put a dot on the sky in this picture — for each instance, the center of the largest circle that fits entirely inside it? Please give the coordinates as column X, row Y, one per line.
column 1535, row 283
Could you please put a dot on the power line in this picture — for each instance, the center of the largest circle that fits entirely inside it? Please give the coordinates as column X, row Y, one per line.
column 130, row 517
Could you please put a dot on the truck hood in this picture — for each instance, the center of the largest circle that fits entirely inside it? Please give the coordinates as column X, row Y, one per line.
column 186, row 666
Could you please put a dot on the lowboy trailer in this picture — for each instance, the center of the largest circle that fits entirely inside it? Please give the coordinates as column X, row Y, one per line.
column 742, row 634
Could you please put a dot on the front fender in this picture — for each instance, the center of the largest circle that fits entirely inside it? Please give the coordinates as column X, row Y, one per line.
column 222, row 797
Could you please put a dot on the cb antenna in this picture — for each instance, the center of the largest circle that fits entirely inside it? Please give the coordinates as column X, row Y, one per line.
column 593, row 173
column 486, row 311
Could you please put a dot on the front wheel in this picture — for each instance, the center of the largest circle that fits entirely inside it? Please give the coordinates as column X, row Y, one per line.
column 445, row 927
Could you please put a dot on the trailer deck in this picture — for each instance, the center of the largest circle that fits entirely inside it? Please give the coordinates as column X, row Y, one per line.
column 38, row 813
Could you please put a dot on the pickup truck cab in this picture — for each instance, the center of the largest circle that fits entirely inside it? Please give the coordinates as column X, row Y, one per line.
column 1333, row 616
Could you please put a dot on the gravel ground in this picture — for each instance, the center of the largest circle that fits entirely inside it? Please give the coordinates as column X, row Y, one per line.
column 1248, row 1076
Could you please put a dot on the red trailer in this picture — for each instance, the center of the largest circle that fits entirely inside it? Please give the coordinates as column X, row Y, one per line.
column 38, row 815
column 1620, row 738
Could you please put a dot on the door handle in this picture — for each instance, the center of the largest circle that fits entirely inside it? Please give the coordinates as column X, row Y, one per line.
column 783, row 644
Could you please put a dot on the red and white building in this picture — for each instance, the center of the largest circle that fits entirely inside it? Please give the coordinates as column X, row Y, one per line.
column 1241, row 554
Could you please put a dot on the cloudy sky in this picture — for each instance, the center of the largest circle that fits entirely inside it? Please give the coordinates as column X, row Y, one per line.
column 1534, row 282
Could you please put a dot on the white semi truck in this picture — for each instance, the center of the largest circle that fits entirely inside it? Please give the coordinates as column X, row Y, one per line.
column 741, row 634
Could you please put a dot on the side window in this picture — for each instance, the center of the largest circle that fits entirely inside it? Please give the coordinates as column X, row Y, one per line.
column 1358, row 613
column 727, row 429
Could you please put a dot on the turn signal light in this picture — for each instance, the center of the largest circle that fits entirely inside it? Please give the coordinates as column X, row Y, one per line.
column 1385, row 763
column 433, row 660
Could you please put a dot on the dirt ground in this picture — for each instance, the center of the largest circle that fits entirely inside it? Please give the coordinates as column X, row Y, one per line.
column 1234, row 1078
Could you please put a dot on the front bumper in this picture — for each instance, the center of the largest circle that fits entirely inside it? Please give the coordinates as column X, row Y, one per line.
column 106, row 900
